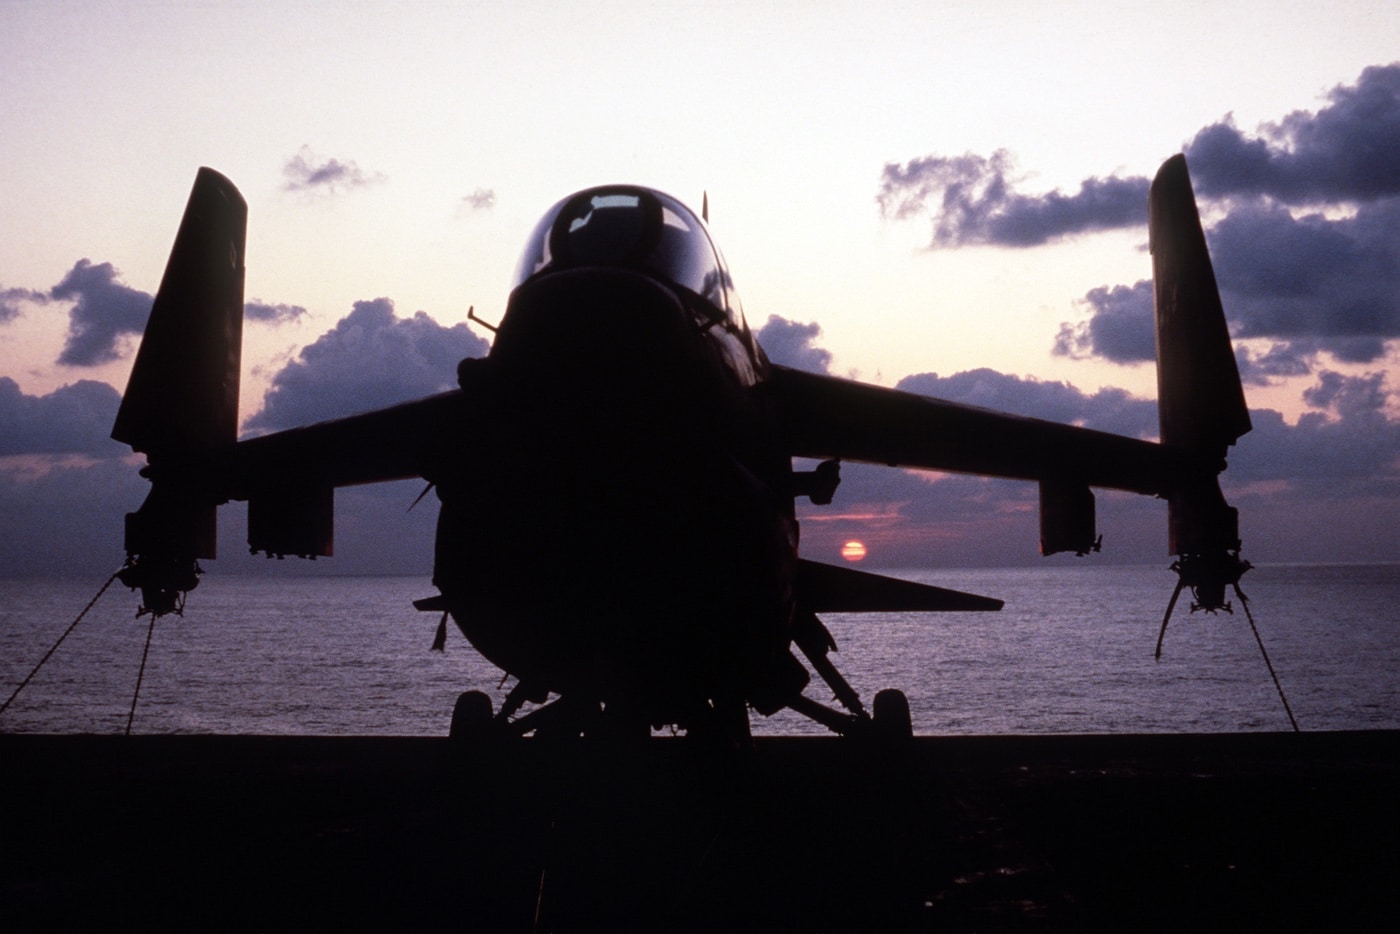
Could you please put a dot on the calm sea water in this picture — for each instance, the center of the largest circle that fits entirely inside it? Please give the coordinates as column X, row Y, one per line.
column 1070, row 653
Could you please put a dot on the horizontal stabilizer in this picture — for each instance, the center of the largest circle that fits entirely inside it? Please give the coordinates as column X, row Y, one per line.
column 824, row 588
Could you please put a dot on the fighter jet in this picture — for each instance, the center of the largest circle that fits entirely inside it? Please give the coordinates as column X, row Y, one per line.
column 616, row 476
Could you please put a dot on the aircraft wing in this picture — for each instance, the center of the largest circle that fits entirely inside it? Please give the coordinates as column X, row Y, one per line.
column 289, row 478
column 832, row 418
column 394, row 443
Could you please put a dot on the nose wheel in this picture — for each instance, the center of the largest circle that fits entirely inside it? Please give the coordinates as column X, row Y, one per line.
column 472, row 718
column 890, row 715
column 888, row 718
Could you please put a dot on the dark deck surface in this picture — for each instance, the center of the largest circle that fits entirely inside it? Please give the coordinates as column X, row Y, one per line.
column 1123, row 833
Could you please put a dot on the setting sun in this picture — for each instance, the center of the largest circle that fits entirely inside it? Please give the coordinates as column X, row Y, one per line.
column 853, row 551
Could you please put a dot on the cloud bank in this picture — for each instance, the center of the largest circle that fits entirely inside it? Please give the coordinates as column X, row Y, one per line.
column 1345, row 151
column 65, row 485
column 75, row 419
column 1342, row 153
column 1324, row 489
column 371, row 358
column 1306, row 246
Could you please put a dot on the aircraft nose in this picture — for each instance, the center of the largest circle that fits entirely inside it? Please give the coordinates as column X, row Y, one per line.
column 598, row 337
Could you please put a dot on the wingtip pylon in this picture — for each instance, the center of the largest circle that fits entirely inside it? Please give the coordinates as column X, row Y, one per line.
column 1200, row 398
column 180, row 408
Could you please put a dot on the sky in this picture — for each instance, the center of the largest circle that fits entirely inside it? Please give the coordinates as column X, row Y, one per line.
column 949, row 198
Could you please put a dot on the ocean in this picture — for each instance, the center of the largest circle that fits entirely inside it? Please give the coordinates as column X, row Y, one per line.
column 1072, row 652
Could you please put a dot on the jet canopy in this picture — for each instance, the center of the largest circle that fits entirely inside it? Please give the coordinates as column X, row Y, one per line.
column 629, row 227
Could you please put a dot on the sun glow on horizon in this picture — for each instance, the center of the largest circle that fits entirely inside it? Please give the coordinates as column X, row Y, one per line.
column 853, row 551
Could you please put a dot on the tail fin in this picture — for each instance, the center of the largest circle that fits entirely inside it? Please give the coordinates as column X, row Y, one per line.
column 181, row 403
column 1200, row 400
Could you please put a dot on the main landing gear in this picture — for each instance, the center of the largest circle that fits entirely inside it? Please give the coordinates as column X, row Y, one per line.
column 474, row 723
column 887, row 721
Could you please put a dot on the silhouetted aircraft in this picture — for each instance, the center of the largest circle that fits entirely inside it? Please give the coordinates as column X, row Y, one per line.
column 616, row 477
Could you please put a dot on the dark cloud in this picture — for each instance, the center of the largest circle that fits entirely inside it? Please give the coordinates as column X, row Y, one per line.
column 1314, row 283
column 1352, row 454
column 971, row 200
column 104, row 311
column 1336, row 280
column 792, row 344
column 1343, row 153
column 483, row 199
column 1119, row 327
column 908, row 518
column 1346, row 151
column 11, row 299
column 1325, row 488
column 958, row 185
column 63, row 517
column 308, row 172
column 1349, row 396
column 76, row 419
column 272, row 314
column 370, row 359
column 1284, row 359
column 1106, row 410
column 64, row 484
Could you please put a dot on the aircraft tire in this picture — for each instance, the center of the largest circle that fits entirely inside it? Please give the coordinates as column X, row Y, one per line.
column 890, row 712
column 471, row 717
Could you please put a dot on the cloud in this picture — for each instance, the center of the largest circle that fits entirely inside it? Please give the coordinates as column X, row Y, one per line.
column 308, row 172
column 1284, row 359
column 1298, row 486
column 1108, row 409
column 972, row 200
column 483, row 199
column 1348, row 448
column 1345, row 151
column 370, row 359
column 791, row 344
column 272, row 314
column 1349, row 396
column 910, row 518
column 1337, row 280
column 11, row 299
column 1309, row 281
column 1119, row 328
column 65, row 517
column 64, row 483
column 75, row 419
column 1314, row 284
column 104, row 311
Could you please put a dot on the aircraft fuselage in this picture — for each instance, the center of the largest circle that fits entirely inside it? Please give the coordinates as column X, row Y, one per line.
column 632, row 534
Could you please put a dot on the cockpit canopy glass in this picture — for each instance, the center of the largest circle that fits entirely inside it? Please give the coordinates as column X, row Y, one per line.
column 633, row 228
